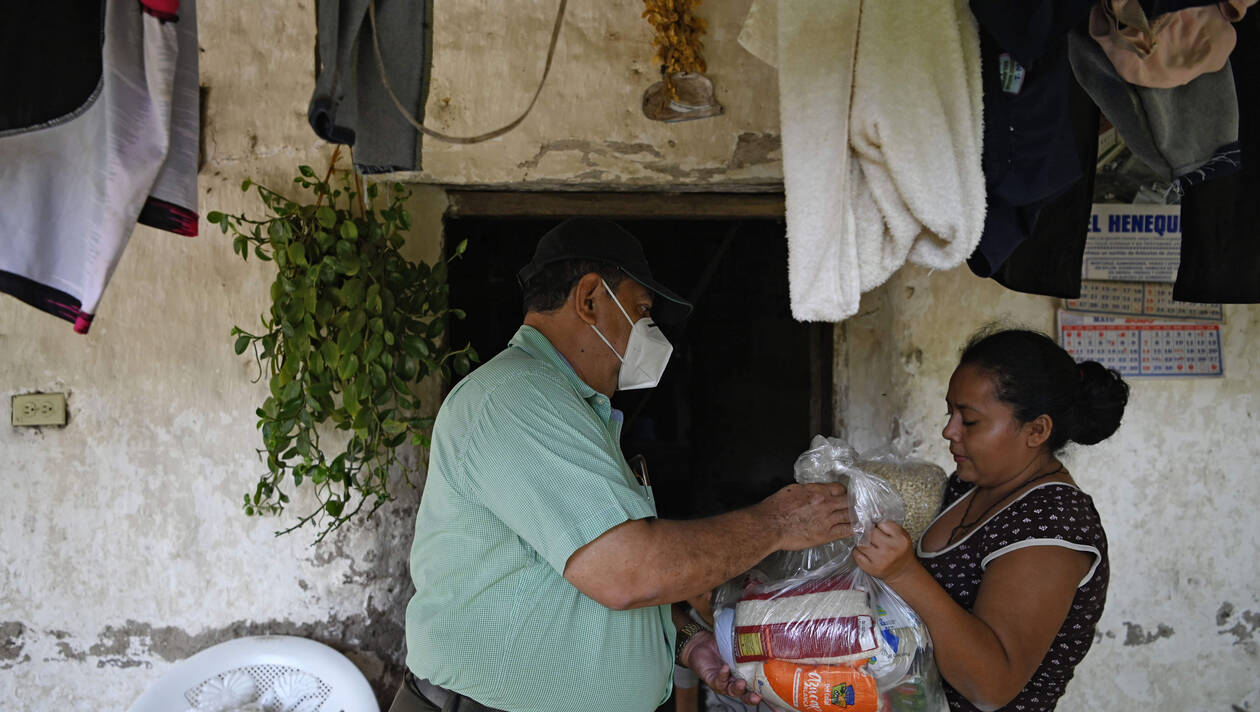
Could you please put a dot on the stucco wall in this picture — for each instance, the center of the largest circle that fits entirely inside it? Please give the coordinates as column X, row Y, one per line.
column 588, row 128
column 123, row 548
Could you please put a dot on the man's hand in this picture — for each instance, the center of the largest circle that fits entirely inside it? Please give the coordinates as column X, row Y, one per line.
column 702, row 656
column 807, row 515
column 890, row 553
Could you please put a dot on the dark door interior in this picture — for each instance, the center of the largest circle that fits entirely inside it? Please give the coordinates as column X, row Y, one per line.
column 747, row 386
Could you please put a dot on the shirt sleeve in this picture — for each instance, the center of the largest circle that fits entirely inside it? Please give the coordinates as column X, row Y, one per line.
column 539, row 458
column 1054, row 515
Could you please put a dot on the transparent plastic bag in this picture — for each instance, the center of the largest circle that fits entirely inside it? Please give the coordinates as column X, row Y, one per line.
column 809, row 630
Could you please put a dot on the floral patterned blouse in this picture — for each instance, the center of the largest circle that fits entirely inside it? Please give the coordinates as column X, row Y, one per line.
column 1050, row 514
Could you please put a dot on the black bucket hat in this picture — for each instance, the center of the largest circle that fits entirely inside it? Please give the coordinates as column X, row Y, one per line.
column 602, row 240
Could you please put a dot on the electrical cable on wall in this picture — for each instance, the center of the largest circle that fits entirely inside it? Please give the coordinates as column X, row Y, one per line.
column 380, row 65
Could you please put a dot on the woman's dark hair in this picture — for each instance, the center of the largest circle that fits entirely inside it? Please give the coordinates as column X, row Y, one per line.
column 1035, row 376
column 548, row 290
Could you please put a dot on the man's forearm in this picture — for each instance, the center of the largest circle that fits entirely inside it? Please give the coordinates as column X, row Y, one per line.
column 689, row 557
column 647, row 562
column 670, row 560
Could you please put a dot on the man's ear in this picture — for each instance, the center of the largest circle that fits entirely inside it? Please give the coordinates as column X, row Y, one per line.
column 1039, row 430
column 583, row 296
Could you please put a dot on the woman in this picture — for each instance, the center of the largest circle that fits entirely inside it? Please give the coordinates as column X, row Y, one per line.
column 1011, row 576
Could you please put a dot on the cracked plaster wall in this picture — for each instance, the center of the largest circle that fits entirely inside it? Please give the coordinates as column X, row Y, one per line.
column 1176, row 486
column 123, row 548
column 588, row 129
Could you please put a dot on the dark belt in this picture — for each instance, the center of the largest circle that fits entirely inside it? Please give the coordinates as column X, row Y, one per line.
column 444, row 699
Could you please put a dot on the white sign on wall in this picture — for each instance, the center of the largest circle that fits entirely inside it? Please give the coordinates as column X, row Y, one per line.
column 1133, row 243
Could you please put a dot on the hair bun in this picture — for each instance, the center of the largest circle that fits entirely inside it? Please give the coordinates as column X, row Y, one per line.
column 1104, row 395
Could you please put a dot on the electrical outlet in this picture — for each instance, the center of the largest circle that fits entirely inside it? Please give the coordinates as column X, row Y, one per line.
column 39, row 409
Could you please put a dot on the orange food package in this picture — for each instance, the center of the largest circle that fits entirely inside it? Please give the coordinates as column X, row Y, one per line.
column 821, row 688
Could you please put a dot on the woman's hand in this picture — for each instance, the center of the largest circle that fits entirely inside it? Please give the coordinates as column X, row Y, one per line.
column 701, row 655
column 890, row 553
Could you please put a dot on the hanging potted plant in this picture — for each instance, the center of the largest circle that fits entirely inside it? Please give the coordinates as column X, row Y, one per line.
column 352, row 327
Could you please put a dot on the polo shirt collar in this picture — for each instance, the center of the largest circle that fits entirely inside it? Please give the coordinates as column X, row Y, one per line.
column 532, row 342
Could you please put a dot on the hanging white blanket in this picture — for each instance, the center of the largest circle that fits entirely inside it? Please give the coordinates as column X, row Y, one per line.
column 880, row 110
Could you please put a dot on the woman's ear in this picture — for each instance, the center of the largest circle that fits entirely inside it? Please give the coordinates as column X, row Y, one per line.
column 1039, row 430
column 583, row 296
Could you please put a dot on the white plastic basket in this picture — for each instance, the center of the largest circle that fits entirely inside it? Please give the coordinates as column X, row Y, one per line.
column 267, row 673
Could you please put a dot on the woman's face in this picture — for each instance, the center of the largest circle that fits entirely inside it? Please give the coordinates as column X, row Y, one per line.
column 988, row 444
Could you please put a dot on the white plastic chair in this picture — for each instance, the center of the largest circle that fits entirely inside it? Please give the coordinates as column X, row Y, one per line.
column 266, row 673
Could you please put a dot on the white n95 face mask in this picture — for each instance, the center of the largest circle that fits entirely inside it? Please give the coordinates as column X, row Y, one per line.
column 647, row 351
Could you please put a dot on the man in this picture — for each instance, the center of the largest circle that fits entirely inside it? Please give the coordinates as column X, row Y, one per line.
column 543, row 577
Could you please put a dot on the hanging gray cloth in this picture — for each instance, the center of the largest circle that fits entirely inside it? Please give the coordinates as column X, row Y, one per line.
column 1186, row 134
column 350, row 104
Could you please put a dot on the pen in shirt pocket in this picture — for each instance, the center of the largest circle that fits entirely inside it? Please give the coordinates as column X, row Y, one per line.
column 638, row 465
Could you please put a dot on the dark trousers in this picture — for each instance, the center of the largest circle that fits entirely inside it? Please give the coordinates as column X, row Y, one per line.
column 411, row 699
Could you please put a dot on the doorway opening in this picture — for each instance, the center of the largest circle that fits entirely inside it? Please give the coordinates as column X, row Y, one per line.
column 747, row 386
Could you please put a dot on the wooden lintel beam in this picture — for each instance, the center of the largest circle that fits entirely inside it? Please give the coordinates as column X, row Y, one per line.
column 622, row 205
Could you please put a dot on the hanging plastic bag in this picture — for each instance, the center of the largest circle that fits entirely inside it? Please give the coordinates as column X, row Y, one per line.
column 810, row 631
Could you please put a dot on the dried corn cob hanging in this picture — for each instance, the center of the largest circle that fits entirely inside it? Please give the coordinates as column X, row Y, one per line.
column 684, row 92
column 677, row 39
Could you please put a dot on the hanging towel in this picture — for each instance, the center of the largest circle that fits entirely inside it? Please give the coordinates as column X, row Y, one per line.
column 880, row 108
column 172, row 201
column 71, row 189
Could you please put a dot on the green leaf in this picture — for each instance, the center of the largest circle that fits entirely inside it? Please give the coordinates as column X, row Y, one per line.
column 374, row 349
column 333, row 507
column 242, row 343
column 328, row 349
column 214, row 217
column 306, row 171
column 323, row 310
column 393, row 427
column 326, row 216
column 348, row 366
column 351, row 265
column 297, row 254
column 350, row 340
column 461, row 364
column 245, row 184
column 408, row 367
column 416, row 346
column 279, row 231
column 349, row 231
column 352, row 293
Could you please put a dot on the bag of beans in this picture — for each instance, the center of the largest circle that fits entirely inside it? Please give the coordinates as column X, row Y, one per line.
column 920, row 484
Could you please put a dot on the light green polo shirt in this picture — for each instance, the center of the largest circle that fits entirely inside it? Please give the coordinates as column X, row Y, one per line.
column 525, row 468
